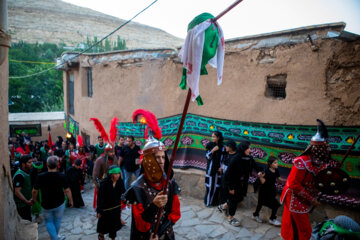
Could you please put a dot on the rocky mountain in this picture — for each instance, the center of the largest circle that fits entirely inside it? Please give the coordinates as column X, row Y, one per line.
column 55, row 21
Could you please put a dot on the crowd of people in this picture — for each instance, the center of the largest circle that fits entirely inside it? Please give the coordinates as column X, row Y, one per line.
column 49, row 177
column 226, row 181
column 227, row 176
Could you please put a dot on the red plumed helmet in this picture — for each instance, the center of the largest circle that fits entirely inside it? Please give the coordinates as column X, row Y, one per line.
column 111, row 138
column 148, row 118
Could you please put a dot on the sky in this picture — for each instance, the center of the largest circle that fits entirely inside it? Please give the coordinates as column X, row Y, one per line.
column 250, row 17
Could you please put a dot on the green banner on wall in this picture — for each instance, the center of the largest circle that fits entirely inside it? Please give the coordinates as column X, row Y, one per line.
column 282, row 141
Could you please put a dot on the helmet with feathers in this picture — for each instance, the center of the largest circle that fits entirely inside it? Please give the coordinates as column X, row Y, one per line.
column 108, row 139
column 150, row 167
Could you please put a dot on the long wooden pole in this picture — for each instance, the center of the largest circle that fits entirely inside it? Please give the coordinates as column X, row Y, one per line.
column 226, row 10
column 172, row 158
column 348, row 151
column 183, row 116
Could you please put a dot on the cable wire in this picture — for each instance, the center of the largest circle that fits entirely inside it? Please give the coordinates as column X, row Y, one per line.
column 87, row 49
column 23, row 61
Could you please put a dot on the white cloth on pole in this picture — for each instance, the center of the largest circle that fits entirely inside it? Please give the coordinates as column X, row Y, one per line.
column 191, row 56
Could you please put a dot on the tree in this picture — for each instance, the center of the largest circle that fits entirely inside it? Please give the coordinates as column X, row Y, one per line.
column 40, row 93
column 43, row 92
column 120, row 44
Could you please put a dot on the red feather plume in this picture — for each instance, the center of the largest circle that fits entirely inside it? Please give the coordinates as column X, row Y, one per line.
column 151, row 122
column 20, row 150
column 113, row 129
column 13, row 152
column 100, row 128
column 80, row 141
column 136, row 113
column 27, row 149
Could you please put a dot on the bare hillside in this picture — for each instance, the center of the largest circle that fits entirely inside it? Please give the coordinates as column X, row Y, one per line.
column 56, row 21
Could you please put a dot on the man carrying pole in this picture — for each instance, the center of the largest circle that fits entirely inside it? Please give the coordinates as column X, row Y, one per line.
column 204, row 44
column 146, row 194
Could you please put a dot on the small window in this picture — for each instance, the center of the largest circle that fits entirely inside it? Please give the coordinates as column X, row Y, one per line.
column 71, row 94
column 276, row 86
column 89, row 82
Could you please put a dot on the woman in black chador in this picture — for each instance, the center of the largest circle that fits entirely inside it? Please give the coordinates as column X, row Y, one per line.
column 215, row 152
column 109, row 203
column 247, row 165
column 75, row 178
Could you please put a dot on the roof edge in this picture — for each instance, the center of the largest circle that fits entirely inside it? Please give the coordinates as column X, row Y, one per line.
column 292, row 30
column 123, row 51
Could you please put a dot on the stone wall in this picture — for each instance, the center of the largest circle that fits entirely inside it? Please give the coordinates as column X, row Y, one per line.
column 11, row 226
column 343, row 75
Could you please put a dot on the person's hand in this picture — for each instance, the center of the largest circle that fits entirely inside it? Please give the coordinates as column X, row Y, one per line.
column 29, row 202
column 153, row 237
column 71, row 204
column 122, row 222
column 98, row 215
column 315, row 202
column 232, row 192
column 220, row 170
column 160, row 200
column 215, row 149
column 261, row 174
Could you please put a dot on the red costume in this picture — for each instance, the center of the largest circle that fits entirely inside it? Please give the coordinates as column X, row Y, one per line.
column 297, row 196
column 300, row 190
column 73, row 157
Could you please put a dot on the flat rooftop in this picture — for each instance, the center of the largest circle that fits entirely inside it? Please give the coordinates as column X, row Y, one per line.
column 36, row 116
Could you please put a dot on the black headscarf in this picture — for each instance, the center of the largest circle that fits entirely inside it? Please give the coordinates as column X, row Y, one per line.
column 242, row 147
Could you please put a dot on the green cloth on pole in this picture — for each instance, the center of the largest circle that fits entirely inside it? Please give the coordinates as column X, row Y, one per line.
column 210, row 46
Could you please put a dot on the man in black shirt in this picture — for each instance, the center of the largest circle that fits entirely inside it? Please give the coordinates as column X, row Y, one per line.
column 129, row 159
column 118, row 150
column 75, row 178
column 53, row 185
column 120, row 146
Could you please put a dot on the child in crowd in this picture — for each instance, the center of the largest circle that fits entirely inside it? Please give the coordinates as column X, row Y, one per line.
column 232, row 184
column 230, row 148
column 267, row 192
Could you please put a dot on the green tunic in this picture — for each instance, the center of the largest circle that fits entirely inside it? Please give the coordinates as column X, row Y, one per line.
column 67, row 158
column 25, row 189
column 99, row 150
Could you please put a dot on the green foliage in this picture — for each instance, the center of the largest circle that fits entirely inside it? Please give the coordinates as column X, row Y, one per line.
column 104, row 46
column 120, row 44
column 44, row 92
column 40, row 93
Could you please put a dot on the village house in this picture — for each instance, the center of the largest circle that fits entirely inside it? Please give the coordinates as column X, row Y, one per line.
column 275, row 86
column 288, row 77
